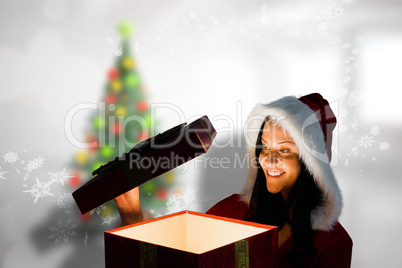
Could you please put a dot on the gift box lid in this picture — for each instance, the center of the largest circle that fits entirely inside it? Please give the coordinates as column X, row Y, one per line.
column 145, row 161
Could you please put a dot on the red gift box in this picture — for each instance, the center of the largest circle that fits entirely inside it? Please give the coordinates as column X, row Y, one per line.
column 190, row 239
column 147, row 160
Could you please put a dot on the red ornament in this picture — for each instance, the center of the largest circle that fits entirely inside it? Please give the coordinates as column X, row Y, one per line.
column 113, row 74
column 143, row 136
column 93, row 143
column 110, row 98
column 142, row 106
column 75, row 179
column 86, row 217
column 117, row 128
column 162, row 194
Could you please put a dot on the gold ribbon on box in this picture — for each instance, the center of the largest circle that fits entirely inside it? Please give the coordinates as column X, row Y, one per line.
column 241, row 254
column 147, row 255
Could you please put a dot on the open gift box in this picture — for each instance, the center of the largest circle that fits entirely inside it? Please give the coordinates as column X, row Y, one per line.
column 190, row 239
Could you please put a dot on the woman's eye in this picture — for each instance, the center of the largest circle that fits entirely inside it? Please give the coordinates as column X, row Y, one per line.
column 285, row 151
column 266, row 147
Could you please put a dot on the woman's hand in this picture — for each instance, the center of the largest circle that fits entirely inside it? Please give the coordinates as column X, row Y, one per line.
column 129, row 207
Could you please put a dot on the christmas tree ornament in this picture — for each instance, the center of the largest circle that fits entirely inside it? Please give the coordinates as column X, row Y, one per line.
column 132, row 80
column 121, row 111
column 97, row 165
column 169, row 177
column 117, row 128
column 143, row 135
column 162, row 194
column 149, row 187
column 75, row 179
column 107, row 152
column 125, row 29
column 142, row 106
column 128, row 63
column 110, row 98
column 113, row 74
column 99, row 122
column 116, row 85
column 81, row 157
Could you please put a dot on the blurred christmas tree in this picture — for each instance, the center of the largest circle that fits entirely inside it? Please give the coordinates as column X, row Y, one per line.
column 123, row 119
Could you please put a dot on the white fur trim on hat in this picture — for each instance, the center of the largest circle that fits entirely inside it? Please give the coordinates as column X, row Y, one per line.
column 302, row 125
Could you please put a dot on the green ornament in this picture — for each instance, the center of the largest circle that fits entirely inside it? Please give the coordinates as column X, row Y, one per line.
column 107, row 152
column 96, row 165
column 149, row 187
column 125, row 29
column 148, row 120
column 99, row 122
column 132, row 80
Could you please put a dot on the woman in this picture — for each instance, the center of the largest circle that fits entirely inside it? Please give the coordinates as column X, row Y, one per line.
column 290, row 183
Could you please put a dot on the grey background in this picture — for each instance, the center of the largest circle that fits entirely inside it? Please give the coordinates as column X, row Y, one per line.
column 201, row 57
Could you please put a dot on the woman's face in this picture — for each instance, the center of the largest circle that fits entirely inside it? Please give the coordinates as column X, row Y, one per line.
column 279, row 159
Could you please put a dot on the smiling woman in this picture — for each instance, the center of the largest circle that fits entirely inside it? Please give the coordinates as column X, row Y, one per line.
column 292, row 185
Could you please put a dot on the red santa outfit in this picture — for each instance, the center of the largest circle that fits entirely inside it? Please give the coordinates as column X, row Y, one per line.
column 309, row 121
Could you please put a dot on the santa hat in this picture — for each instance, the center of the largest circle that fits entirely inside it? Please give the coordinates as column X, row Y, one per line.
column 310, row 121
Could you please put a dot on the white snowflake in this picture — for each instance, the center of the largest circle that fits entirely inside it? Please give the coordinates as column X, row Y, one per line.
column 65, row 200
column 353, row 99
column 98, row 210
column 178, row 202
column 334, row 40
column 375, row 130
column 355, row 150
column 118, row 51
column 108, row 220
column 59, row 177
column 354, row 124
column 35, row 164
column 39, row 190
column 293, row 31
column 346, row 162
column 366, row 141
column 384, row 146
column 62, row 231
column 10, row 157
column 189, row 195
column 2, row 173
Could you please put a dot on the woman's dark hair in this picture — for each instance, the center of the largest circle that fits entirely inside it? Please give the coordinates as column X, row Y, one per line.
column 272, row 209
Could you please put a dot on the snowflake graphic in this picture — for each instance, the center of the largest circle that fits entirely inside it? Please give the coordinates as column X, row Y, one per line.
column 353, row 99
column 118, row 51
column 2, row 173
column 98, row 210
column 10, row 157
column 35, row 164
column 346, row 162
column 65, row 200
column 178, row 202
column 62, row 231
column 355, row 150
column 354, row 124
column 366, row 141
column 293, row 31
column 375, row 130
column 59, row 177
column 108, row 220
column 40, row 190
column 384, row 146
